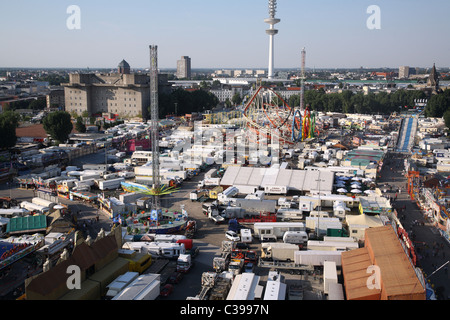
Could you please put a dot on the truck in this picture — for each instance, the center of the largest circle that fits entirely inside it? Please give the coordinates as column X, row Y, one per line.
column 110, row 184
column 221, row 263
column 236, row 266
column 214, row 192
column 275, row 251
column 255, row 205
column 199, row 195
column 43, row 202
column 144, row 287
column 209, row 182
column 127, row 174
column 228, row 193
column 276, row 190
column 289, row 215
column 191, row 229
column 156, row 249
column 120, row 283
column 34, row 207
column 246, row 236
column 329, row 275
column 234, row 225
column 139, row 262
column 184, row 263
column 317, row 257
column 211, row 173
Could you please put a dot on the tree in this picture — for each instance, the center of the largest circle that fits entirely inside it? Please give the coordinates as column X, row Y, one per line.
column 58, row 125
column 447, row 118
column 236, row 99
column 39, row 104
column 9, row 121
column 80, row 126
column 438, row 105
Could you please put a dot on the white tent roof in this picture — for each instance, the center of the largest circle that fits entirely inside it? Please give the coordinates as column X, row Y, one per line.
column 299, row 180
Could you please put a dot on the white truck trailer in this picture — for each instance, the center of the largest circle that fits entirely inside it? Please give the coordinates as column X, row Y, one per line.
column 34, row 207
column 110, row 184
column 317, row 257
column 276, row 251
column 144, row 287
column 43, row 202
column 329, row 275
column 276, row 230
column 157, row 249
column 120, row 283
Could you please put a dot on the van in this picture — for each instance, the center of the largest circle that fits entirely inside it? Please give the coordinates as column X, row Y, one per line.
column 295, row 237
column 246, row 236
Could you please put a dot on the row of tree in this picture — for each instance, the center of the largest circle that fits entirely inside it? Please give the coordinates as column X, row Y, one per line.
column 349, row 102
column 181, row 102
column 33, row 104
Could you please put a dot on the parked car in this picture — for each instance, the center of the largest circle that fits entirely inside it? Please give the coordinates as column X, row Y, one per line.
column 231, row 235
column 241, row 246
column 249, row 267
column 166, row 290
column 175, row 277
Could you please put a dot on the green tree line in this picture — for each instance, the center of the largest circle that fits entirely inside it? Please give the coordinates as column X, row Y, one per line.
column 370, row 103
column 181, row 102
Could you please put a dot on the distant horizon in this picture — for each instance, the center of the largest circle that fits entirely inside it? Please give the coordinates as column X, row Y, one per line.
column 221, row 68
column 224, row 35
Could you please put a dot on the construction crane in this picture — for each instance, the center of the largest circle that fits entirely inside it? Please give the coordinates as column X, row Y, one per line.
column 155, row 127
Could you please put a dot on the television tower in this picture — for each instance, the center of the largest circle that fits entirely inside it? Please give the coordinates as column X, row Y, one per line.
column 272, row 21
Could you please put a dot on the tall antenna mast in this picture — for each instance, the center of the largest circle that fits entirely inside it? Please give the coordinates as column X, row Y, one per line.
column 155, row 126
column 302, row 92
column 272, row 21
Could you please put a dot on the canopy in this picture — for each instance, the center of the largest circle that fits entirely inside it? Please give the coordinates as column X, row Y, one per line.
column 342, row 190
column 355, row 191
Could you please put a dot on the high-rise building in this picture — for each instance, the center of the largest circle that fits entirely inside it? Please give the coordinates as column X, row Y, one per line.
column 403, row 72
column 184, row 68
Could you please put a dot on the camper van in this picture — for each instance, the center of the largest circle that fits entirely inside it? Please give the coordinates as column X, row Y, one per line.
column 276, row 230
column 246, row 236
column 295, row 237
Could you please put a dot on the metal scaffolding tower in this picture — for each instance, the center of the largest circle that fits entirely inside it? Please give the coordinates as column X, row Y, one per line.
column 155, row 126
column 302, row 92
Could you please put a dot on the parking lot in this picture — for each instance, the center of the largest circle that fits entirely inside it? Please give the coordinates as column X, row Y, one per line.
column 208, row 238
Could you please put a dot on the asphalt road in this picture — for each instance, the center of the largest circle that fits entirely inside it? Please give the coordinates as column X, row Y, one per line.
column 432, row 249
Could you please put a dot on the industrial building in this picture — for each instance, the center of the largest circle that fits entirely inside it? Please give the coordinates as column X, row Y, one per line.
column 398, row 279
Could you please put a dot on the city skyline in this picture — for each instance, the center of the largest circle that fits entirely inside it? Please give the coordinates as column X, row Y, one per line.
column 224, row 35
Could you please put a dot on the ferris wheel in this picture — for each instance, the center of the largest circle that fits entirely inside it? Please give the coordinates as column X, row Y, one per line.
column 268, row 117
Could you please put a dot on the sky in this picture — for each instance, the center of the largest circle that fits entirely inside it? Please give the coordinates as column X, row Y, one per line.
column 224, row 34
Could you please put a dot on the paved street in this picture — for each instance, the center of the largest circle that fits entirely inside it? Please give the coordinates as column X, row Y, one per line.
column 431, row 248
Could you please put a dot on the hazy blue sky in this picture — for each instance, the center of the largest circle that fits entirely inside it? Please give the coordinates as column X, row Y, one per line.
column 224, row 34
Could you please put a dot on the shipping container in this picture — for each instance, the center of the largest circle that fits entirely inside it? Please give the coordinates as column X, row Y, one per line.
column 329, row 274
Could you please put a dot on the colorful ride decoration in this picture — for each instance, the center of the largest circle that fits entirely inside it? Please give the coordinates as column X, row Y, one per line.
column 269, row 117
